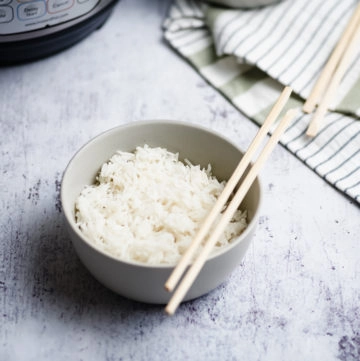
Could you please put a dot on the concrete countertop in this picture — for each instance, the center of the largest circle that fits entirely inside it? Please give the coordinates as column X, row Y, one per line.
column 295, row 296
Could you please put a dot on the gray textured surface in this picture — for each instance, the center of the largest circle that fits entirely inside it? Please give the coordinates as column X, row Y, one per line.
column 296, row 295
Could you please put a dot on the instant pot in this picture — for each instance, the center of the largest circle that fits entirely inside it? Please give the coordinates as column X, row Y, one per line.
column 31, row 29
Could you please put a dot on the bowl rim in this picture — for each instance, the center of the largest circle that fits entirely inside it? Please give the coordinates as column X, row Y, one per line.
column 71, row 222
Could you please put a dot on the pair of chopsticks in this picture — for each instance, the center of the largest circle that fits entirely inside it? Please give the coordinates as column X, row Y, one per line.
column 333, row 73
column 226, row 217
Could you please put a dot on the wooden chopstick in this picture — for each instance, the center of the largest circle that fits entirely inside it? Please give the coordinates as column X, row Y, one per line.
column 197, row 265
column 334, row 82
column 333, row 61
column 230, row 186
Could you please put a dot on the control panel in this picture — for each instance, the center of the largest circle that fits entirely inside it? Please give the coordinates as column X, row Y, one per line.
column 18, row 16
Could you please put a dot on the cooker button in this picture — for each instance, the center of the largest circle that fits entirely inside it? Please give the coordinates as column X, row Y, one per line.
column 5, row 2
column 55, row 6
column 6, row 14
column 31, row 10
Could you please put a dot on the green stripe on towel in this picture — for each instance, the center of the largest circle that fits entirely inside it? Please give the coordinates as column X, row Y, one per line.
column 203, row 57
column 242, row 82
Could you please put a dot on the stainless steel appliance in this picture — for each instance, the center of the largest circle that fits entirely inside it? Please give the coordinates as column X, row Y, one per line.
column 31, row 29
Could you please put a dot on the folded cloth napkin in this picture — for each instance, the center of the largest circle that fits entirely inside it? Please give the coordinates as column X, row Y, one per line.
column 250, row 54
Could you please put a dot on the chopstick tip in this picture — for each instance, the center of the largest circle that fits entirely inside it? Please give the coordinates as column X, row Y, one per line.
column 170, row 310
column 312, row 130
column 172, row 281
column 311, row 133
column 308, row 108
column 168, row 287
column 291, row 112
column 287, row 90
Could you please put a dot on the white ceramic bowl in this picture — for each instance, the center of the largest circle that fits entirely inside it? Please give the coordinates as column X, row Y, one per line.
column 201, row 146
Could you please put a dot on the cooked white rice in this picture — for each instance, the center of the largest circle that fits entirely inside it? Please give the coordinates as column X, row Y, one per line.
column 148, row 205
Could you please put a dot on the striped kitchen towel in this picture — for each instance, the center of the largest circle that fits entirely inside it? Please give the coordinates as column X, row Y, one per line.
column 249, row 55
